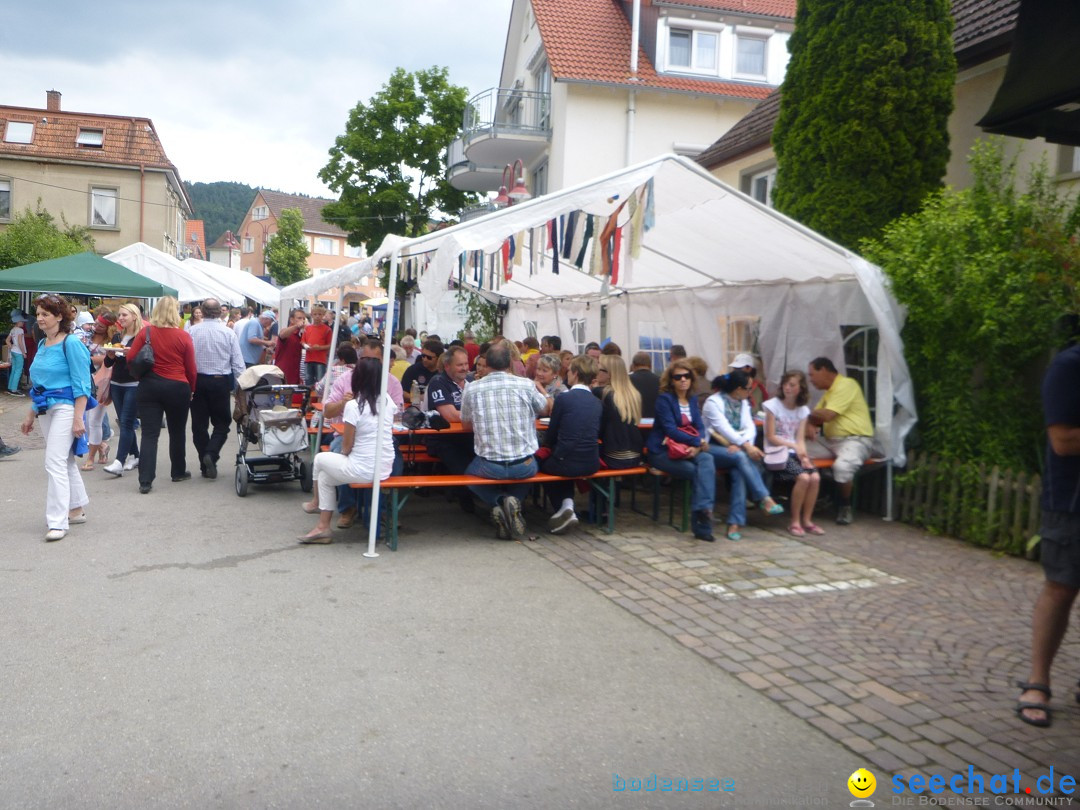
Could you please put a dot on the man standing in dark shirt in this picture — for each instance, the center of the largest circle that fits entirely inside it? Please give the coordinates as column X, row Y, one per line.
column 1060, row 532
column 647, row 383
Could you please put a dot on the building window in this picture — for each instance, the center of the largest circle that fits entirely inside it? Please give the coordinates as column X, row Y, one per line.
column 860, row 358
column 655, row 340
column 365, row 280
column 19, row 132
column 325, row 246
column 249, row 244
column 103, row 205
column 260, row 212
column 5, row 200
column 740, row 335
column 694, row 49
column 578, row 332
column 761, row 186
column 354, row 251
column 92, row 138
column 540, row 180
column 750, row 56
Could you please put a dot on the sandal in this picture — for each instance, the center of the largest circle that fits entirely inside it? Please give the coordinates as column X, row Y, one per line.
column 89, row 465
column 1023, row 705
column 813, row 528
column 775, row 509
column 796, row 530
column 734, row 535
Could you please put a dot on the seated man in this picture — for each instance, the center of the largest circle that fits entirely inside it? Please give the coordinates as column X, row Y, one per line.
column 502, row 409
column 444, row 395
column 849, row 434
column 421, row 372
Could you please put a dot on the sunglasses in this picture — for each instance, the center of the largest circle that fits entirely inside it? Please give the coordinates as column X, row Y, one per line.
column 428, row 356
column 680, row 376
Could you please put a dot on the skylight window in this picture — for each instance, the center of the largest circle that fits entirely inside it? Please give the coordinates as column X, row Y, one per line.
column 19, row 132
column 94, row 138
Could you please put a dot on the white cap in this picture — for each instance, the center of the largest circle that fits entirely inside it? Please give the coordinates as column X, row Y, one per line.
column 742, row 360
column 83, row 318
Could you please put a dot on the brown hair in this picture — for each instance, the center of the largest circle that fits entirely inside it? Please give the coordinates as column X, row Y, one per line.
column 665, row 378
column 584, row 367
column 57, row 305
column 804, row 391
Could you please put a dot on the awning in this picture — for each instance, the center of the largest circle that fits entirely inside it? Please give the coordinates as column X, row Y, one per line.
column 1040, row 95
column 82, row 274
column 375, row 302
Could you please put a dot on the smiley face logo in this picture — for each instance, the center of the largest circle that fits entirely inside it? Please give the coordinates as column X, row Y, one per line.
column 862, row 783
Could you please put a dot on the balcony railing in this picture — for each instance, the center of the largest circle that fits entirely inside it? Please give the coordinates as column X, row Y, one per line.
column 507, row 110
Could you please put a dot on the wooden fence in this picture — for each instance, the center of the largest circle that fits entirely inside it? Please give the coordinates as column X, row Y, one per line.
column 990, row 507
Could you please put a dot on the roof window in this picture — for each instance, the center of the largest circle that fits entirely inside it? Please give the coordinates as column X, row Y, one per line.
column 19, row 132
column 92, row 138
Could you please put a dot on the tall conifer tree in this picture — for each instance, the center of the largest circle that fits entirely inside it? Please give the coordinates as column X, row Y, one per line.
column 861, row 137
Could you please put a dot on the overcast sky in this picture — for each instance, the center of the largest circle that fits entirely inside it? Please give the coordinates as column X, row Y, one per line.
column 251, row 92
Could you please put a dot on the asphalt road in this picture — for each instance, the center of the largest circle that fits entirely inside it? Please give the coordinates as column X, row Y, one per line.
column 180, row 649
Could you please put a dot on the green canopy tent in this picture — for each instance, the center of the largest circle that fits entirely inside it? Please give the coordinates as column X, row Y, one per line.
column 82, row 274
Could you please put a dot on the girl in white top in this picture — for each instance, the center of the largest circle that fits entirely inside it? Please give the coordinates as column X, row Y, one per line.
column 785, row 427
column 364, row 417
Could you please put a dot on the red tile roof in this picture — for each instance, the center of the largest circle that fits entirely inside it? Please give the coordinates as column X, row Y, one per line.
column 755, row 8
column 584, row 37
column 310, row 208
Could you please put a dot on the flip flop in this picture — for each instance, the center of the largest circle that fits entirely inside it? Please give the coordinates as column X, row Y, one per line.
column 1023, row 705
column 796, row 530
column 734, row 535
column 307, row 508
column 813, row 528
column 323, row 538
column 87, row 466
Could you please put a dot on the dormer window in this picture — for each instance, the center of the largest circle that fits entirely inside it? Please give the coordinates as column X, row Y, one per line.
column 260, row 212
column 19, row 132
column 692, row 50
column 751, row 48
column 721, row 50
column 90, row 138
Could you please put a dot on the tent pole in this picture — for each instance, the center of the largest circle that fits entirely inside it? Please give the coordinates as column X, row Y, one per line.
column 388, row 338
column 889, row 490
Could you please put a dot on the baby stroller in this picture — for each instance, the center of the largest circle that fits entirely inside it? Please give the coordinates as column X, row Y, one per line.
column 269, row 415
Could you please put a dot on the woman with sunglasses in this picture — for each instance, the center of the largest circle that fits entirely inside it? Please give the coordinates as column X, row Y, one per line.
column 60, row 380
column 732, row 433
column 677, row 413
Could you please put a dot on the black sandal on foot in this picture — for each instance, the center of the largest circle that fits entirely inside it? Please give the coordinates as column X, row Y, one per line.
column 1022, row 705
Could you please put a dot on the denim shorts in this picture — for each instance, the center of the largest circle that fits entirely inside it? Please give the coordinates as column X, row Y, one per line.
column 1060, row 548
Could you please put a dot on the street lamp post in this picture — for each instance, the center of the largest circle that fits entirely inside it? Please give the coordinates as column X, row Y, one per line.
column 513, row 178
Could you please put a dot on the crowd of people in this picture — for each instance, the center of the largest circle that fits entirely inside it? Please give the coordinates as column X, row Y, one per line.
column 600, row 412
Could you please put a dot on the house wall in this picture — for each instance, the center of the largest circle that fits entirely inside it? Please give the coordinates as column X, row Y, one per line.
column 591, row 129
column 64, row 191
column 751, row 163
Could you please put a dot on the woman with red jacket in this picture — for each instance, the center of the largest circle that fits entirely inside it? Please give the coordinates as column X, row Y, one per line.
column 165, row 391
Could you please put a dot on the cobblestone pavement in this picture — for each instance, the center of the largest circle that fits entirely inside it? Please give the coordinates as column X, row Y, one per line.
column 900, row 645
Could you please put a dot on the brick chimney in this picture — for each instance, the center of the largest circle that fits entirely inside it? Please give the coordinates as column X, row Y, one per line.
column 52, row 101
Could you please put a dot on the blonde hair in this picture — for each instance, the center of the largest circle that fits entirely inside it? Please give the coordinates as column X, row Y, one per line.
column 515, row 355
column 624, row 395
column 166, row 313
column 136, row 318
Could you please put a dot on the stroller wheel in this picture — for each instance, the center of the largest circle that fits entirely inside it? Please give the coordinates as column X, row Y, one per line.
column 241, row 479
column 305, row 476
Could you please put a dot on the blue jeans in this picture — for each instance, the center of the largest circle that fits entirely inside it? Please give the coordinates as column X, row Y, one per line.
column 490, row 495
column 15, row 372
column 744, row 475
column 124, row 402
column 699, row 470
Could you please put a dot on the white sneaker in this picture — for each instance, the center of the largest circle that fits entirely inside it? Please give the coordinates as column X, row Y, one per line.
column 131, row 463
column 562, row 521
column 114, row 467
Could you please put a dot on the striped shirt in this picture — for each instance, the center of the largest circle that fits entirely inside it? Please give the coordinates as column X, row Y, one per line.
column 503, row 409
column 217, row 349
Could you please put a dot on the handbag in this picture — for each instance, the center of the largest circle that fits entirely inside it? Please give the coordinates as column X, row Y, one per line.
column 143, row 361
column 676, row 450
column 776, row 457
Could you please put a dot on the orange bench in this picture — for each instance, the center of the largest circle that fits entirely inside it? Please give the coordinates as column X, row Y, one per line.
column 603, row 482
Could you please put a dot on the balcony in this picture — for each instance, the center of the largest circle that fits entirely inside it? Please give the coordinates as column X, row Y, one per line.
column 500, row 125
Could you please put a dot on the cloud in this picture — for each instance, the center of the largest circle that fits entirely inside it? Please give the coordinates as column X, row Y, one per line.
column 253, row 93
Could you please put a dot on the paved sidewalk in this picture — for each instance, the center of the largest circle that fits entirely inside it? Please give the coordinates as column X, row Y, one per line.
column 902, row 646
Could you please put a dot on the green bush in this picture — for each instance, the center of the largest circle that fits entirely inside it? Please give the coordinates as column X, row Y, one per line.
column 987, row 275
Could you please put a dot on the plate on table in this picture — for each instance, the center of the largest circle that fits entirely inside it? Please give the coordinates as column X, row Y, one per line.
column 646, row 420
column 544, row 420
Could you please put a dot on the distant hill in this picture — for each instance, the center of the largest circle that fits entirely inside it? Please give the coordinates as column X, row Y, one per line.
column 221, row 205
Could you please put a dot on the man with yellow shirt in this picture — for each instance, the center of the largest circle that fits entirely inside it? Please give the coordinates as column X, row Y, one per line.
column 844, row 418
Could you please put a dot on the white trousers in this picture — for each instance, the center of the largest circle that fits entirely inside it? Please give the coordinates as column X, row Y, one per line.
column 329, row 471
column 95, row 422
column 66, row 490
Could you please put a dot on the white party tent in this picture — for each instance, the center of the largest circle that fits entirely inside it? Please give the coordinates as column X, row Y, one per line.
column 191, row 284
column 244, row 284
column 699, row 264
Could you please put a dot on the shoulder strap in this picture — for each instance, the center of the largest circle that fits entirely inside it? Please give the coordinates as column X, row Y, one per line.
column 148, row 334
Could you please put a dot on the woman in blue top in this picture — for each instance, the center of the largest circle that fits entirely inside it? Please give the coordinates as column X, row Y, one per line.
column 676, row 408
column 60, row 380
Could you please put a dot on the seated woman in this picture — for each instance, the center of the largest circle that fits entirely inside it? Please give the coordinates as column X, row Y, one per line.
column 677, row 409
column 731, row 433
column 572, row 440
column 548, row 367
column 620, row 438
column 785, row 427
column 364, row 416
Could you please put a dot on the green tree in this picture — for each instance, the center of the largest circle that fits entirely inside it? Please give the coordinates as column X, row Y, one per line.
column 34, row 236
column 221, row 205
column 388, row 168
column 861, row 136
column 287, row 251
column 986, row 274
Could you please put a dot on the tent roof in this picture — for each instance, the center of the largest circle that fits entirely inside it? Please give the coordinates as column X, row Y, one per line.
column 82, row 274
column 191, row 285
column 243, row 283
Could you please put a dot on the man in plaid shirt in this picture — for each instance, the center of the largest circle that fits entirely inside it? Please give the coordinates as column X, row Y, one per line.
column 502, row 411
